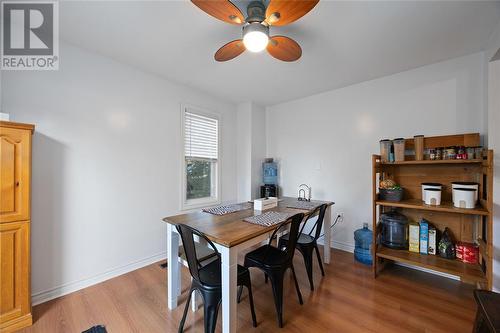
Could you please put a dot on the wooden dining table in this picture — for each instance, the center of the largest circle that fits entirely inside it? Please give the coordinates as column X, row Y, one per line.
column 230, row 234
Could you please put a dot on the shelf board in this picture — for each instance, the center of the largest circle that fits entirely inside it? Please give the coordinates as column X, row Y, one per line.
column 444, row 207
column 469, row 272
column 434, row 162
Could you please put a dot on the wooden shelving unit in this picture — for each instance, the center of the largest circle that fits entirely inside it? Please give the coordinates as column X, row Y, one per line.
column 468, row 225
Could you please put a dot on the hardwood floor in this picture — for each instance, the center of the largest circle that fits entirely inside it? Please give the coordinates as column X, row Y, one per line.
column 347, row 299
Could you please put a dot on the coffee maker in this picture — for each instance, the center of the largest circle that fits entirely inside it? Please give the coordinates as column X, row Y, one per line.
column 268, row 190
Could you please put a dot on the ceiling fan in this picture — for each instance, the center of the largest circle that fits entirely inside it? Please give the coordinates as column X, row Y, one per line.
column 256, row 26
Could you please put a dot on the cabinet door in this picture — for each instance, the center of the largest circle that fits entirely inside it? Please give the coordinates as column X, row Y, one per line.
column 14, row 271
column 15, row 162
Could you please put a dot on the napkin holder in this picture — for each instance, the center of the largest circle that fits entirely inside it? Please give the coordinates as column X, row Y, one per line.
column 265, row 203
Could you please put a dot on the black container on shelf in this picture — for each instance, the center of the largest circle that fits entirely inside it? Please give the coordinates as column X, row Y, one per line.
column 393, row 194
column 394, row 233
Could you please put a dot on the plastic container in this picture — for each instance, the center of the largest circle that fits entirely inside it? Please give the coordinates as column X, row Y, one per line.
column 432, row 196
column 419, row 147
column 394, row 231
column 363, row 245
column 478, row 152
column 270, row 172
column 385, row 149
column 399, row 149
column 430, row 185
column 464, row 197
column 471, row 185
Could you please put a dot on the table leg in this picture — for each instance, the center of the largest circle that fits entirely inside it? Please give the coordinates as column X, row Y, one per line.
column 327, row 222
column 173, row 267
column 229, row 287
column 194, row 300
column 179, row 283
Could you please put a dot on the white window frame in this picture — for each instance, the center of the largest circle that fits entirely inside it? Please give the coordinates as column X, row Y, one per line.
column 201, row 202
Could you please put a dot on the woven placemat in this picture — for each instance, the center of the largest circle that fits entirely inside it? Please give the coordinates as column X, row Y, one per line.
column 228, row 209
column 268, row 219
column 304, row 204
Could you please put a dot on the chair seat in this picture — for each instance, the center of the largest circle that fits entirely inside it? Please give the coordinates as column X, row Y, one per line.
column 266, row 255
column 210, row 274
column 303, row 238
column 488, row 303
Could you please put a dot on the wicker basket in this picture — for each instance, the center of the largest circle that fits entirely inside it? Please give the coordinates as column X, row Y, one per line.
column 391, row 194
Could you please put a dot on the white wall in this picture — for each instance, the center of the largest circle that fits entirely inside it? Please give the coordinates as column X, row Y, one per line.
column 494, row 143
column 258, row 147
column 244, row 151
column 327, row 140
column 251, row 152
column 106, row 165
column 493, row 72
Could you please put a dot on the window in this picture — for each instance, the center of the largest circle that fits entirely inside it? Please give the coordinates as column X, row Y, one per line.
column 201, row 158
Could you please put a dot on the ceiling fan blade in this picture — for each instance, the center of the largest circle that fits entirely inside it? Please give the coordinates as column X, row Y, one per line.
column 230, row 50
column 283, row 12
column 223, row 10
column 284, row 48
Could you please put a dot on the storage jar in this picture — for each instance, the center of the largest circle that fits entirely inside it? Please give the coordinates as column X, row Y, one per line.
column 385, row 149
column 478, row 152
column 438, row 186
column 432, row 196
column 432, row 154
column 471, row 185
column 464, row 197
column 470, row 153
column 461, row 154
column 399, row 149
column 449, row 153
column 418, row 141
column 439, row 153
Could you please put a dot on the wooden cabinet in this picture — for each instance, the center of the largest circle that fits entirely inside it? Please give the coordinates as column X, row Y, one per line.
column 15, row 172
column 15, row 160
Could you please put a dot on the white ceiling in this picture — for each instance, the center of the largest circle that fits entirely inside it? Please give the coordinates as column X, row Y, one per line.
column 343, row 42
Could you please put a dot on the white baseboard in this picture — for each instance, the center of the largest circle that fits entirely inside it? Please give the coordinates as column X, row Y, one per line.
column 350, row 248
column 67, row 288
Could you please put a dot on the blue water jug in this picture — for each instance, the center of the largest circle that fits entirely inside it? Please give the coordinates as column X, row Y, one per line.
column 363, row 241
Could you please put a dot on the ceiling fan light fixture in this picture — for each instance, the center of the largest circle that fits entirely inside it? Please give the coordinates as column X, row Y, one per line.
column 255, row 37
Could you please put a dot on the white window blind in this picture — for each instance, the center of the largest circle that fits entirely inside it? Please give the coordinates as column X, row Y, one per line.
column 201, row 136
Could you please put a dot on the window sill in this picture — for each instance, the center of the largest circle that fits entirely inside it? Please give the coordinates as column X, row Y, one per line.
column 199, row 203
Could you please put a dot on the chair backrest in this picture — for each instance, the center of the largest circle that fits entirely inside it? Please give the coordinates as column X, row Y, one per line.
column 294, row 221
column 320, row 211
column 188, row 242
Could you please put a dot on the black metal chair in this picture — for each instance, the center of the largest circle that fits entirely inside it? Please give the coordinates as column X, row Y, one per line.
column 307, row 243
column 274, row 262
column 207, row 279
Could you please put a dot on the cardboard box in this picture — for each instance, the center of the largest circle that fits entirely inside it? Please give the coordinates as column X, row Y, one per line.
column 424, row 236
column 432, row 240
column 414, row 237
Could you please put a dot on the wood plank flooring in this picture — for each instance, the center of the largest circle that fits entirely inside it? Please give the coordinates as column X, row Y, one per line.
column 347, row 299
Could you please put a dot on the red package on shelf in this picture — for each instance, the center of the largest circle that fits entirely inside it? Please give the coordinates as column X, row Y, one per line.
column 467, row 252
